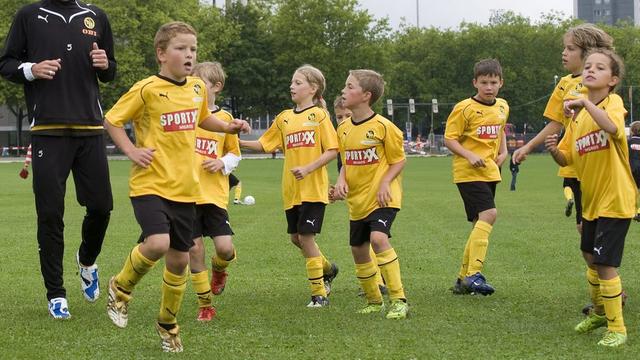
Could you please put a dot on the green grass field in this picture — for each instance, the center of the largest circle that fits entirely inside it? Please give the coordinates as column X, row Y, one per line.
column 533, row 261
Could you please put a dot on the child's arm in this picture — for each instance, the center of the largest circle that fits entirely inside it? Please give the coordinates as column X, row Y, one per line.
column 502, row 152
column 600, row 116
column 253, row 145
column 384, row 190
column 212, row 123
column 551, row 143
column 520, row 155
column 341, row 189
column 301, row 171
column 140, row 156
column 457, row 149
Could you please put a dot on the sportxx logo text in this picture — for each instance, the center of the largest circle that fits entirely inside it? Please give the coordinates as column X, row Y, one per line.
column 593, row 141
column 488, row 131
column 179, row 120
column 304, row 138
column 207, row 147
column 362, row 156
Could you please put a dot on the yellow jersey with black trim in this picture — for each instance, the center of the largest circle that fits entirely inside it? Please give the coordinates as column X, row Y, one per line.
column 568, row 88
column 601, row 161
column 479, row 128
column 164, row 115
column 303, row 136
column 209, row 146
column 367, row 149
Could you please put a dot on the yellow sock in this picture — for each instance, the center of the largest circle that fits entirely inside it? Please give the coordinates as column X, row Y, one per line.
column 478, row 243
column 135, row 267
column 465, row 261
column 220, row 264
column 237, row 192
column 173, row 287
column 372, row 254
column 568, row 193
column 326, row 264
column 366, row 274
column 612, row 298
column 594, row 290
column 390, row 268
column 314, row 273
column 200, row 283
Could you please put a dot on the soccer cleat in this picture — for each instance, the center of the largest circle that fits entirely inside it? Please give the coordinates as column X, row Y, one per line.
column 329, row 277
column 318, row 301
column 613, row 339
column 398, row 310
column 567, row 209
column 218, row 281
column 170, row 339
column 59, row 309
column 372, row 309
column 237, row 202
column 89, row 280
column 206, row 313
column 477, row 284
column 118, row 310
column 637, row 217
column 590, row 323
column 459, row 289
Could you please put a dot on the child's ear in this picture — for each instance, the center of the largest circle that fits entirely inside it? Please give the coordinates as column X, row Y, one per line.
column 614, row 81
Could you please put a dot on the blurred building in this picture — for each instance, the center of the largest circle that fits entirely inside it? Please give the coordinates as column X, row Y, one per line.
column 607, row 11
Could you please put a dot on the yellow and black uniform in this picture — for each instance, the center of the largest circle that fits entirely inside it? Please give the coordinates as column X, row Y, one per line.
column 601, row 161
column 165, row 115
column 478, row 127
column 303, row 136
column 568, row 88
column 368, row 148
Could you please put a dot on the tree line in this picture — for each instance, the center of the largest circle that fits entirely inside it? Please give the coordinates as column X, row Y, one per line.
column 261, row 44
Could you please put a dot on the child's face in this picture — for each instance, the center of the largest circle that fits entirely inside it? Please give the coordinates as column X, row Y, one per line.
column 342, row 114
column 301, row 90
column 352, row 94
column 178, row 59
column 571, row 56
column 597, row 72
column 488, row 87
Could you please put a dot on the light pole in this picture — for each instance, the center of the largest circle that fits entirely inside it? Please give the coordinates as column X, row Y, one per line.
column 555, row 80
column 418, row 13
column 432, row 136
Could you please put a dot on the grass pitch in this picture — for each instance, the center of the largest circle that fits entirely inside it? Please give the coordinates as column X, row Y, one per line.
column 533, row 261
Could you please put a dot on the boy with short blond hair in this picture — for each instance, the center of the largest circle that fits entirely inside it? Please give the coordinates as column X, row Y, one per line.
column 475, row 134
column 372, row 152
column 165, row 110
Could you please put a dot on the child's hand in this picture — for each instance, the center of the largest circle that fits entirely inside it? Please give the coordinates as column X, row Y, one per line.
column 475, row 161
column 141, row 156
column 340, row 190
column 551, row 143
column 571, row 107
column 520, row 155
column 239, row 126
column 500, row 159
column 300, row 172
column 213, row 165
column 384, row 194
column 332, row 195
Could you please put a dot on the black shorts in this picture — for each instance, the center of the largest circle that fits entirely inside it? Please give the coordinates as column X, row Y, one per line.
column 212, row 221
column 477, row 197
column 636, row 178
column 574, row 184
column 233, row 181
column 157, row 215
column 379, row 220
column 305, row 218
column 604, row 239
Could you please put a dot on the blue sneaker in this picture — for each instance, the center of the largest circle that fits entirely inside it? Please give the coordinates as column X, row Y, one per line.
column 59, row 309
column 89, row 281
column 477, row 284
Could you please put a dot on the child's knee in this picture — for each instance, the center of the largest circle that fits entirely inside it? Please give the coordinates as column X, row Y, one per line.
column 488, row 216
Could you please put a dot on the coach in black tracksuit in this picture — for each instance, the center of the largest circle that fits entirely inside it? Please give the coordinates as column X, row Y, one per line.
column 58, row 49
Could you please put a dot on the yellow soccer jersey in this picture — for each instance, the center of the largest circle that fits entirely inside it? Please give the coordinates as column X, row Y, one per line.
column 601, row 161
column 165, row 115
column 569, row 87
column 302, row 136
column 478, row 127
column 214, row 145
column 367, row 149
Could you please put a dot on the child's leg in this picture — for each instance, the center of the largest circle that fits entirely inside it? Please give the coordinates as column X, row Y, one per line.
column 372, row 255
column 141, row 259
column 611, row 290
column 174, row 282
column 568, row 193
column 389, row 264
column 237, row 192
column 313, row 258
column 199, row 274
column 479, row 240
column 225, row 253
column 367, row 272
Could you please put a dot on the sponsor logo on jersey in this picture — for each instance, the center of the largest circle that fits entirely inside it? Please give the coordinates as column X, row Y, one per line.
column 371, row 139
column 304, row 138
column 89, row 25
column 488, row 131
column 197, row 88
column 576, row 92
column 366, row 156
column 311, row 120
column 593, row 141
column 207, row 147
column 179, row 120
